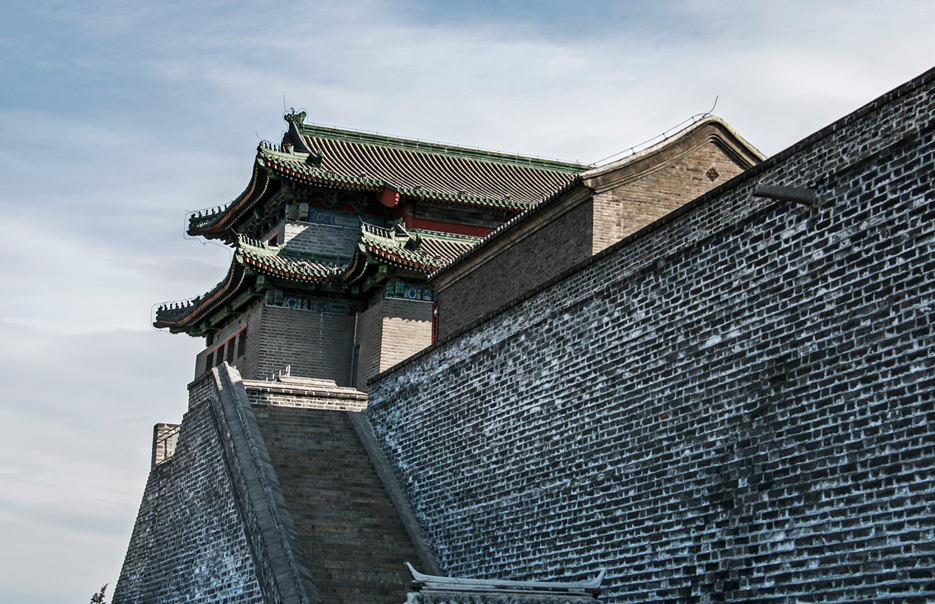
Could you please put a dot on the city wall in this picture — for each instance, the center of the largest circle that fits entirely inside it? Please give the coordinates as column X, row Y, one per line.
column 735, row 402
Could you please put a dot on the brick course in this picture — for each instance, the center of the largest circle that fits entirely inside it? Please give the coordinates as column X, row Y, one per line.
column 734, row 403
column 320, row 239
column 315, row 344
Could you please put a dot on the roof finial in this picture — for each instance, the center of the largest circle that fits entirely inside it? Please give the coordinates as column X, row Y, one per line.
column 293, row 117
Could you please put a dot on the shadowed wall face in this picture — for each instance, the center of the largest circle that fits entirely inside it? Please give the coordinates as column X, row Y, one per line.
column 189, row 543
column 354, row 542
column 735, row 406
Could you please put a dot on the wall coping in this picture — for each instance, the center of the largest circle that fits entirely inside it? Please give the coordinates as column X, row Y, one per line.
column 709, row 197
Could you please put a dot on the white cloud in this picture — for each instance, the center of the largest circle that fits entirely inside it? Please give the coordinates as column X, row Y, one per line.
column 121, row 116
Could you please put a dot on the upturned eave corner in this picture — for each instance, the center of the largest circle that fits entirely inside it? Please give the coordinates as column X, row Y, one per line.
column 709, row 130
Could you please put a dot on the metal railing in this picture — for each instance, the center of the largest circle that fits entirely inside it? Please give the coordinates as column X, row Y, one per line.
column 164, row 444
column 284, row 372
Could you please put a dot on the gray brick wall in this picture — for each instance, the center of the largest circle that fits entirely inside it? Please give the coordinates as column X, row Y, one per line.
column 315, row 344
column 407, row 329
column 736, row 403
column 213, row 525
column 189, row 543
column 320, row 239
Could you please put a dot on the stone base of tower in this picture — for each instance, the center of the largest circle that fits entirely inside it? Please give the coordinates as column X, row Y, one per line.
column 266, row 494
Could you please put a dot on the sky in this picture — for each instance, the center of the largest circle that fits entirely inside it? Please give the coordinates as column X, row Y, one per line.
column 118, row 117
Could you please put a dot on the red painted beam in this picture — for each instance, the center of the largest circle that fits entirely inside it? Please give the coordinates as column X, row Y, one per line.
column 447, row 227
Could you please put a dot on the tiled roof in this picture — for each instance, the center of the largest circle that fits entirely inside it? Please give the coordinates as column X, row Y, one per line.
column 417, row 250
column 277, row 262
column 414, row 250
column 186, row 314
column 433, row 170
column 293, row 165
column 347, row 159
column 213, row 222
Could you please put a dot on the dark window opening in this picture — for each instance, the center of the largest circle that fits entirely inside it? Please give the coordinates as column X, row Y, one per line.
column 242, row 343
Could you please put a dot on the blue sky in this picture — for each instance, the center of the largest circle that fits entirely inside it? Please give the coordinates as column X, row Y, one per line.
column 118, row 117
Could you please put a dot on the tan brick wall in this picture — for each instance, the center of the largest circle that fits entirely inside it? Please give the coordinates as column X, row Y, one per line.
column 629, row 207
column 550, row 243
column 391, row 331
column 407, row 329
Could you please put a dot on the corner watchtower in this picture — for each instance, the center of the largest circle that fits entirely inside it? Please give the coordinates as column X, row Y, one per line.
column 333, row 240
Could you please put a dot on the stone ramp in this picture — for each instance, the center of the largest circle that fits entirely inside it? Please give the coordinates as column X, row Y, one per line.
column 354, row 541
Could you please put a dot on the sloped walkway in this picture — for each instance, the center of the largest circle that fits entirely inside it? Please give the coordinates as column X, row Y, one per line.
column 354, row 542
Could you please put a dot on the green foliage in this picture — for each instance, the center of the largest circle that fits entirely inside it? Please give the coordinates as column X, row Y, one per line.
column 98, row 598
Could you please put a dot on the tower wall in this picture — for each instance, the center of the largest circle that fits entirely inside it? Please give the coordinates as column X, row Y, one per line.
column 320, row 239
column 388, row 332
column 315, row 344
column 212, row 526
column 233, row 345
column 733, row 404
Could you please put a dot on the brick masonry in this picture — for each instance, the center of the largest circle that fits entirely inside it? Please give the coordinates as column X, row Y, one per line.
column 320, row 239
column 232, row 344
column 355, row 544
column 212, row 526
column 269, row 496
column 315, row 344
column 734, row 403
column 391, row 330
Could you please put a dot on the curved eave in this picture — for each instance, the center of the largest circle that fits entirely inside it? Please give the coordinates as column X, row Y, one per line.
column 228, row 288
column 320, row 178
column 465, row 200
column 398, row 260
column 269, row 269
column 244, row 203
column 356, row 268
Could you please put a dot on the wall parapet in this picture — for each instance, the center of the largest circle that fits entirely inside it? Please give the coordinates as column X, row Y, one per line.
column 165, row 438
column 309, row 393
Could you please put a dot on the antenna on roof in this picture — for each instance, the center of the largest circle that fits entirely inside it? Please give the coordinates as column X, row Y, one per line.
column 283, row 103
column 711, row 110
column 665, row 135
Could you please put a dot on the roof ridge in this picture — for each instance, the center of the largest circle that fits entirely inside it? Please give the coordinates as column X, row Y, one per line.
column 440, row 235
column 438, row 148
column 251, row 245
